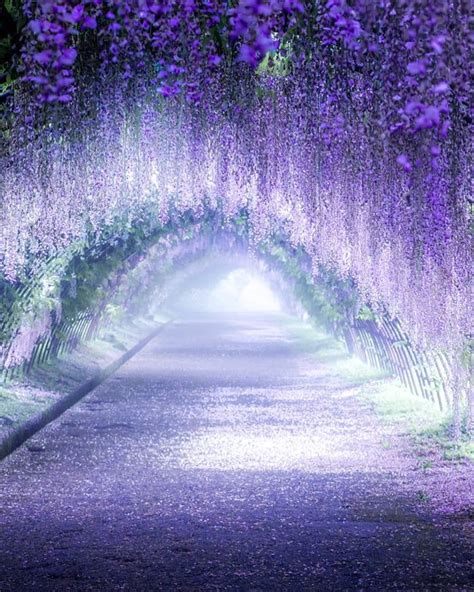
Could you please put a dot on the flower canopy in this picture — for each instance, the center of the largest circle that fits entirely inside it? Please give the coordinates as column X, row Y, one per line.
column 345, row 126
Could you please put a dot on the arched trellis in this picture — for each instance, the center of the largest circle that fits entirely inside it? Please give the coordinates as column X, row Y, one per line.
column 65, row 334
column 380, row 342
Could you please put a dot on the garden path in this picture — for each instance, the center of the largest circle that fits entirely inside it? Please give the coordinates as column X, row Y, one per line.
column 224, row 456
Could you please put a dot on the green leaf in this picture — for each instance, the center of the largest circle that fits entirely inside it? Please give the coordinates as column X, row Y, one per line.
column 13, row 7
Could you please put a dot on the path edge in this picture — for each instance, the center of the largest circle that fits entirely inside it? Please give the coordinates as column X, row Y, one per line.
column 20, row 434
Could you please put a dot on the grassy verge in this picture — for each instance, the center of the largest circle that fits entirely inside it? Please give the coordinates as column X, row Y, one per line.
column 21, row 400
column 429, row 428
column 16, row 407
column 327, row 349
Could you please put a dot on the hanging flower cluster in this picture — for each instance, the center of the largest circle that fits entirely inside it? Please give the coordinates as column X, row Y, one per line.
column 182, row 43
column 413, row 52
column 345, row 125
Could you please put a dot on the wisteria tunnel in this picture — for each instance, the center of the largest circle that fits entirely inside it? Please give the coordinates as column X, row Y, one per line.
column 236, row 295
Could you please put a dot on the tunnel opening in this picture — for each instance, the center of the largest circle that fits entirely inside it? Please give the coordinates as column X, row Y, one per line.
column 242, row 290
column 110, row 281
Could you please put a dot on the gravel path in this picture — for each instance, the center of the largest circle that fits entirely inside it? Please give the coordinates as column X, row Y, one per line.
column 220, row 458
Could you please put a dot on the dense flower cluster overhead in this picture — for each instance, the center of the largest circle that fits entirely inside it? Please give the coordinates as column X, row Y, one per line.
column 183, row 42
column 346, row 125
column 414, row 52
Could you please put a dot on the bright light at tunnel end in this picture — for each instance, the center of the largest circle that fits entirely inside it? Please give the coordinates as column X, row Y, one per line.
column 244, row 291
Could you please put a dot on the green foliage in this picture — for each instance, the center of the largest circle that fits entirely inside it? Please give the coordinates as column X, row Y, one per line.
column 329, row 299
column 366, row 314
column 12, row 22
column 277, row 64
column 440, row 436
column 7, row 301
